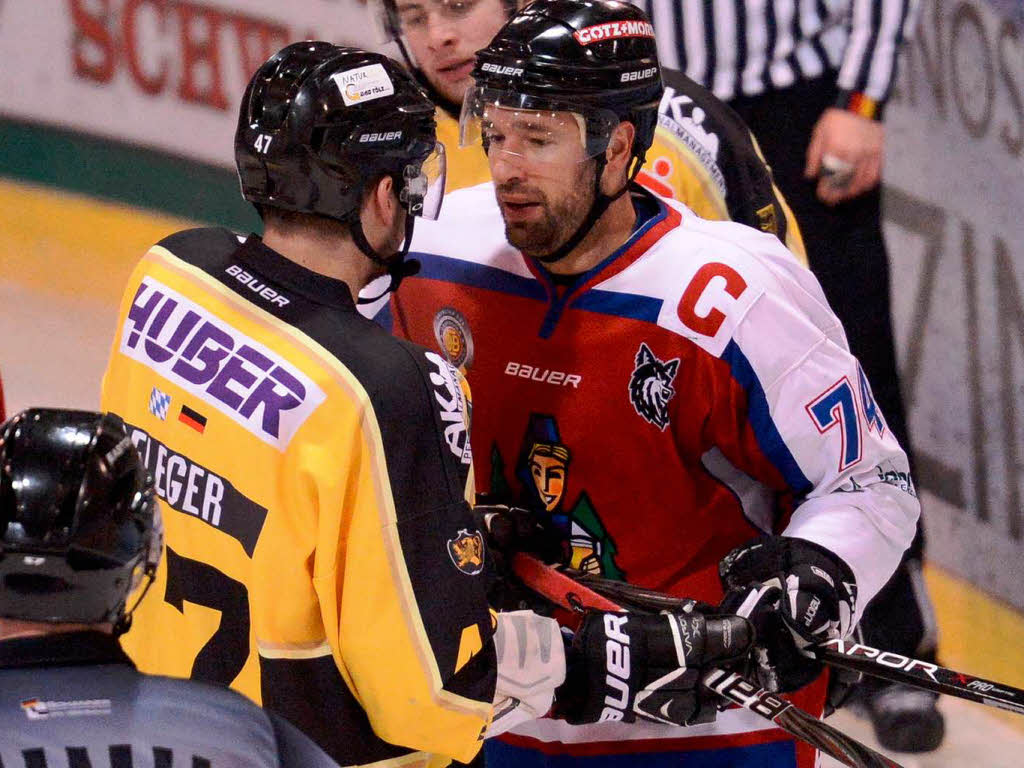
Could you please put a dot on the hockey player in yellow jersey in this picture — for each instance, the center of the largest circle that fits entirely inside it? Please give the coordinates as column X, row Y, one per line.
column 702, row 154
column 312, row 469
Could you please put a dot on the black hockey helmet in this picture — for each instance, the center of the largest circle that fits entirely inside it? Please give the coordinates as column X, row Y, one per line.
column 594, row 58
column 597, row 58
column 79, row 524
column 319, row 122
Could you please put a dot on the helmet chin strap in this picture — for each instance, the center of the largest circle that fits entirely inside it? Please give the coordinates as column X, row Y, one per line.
column 597, row 209
column 395, row 266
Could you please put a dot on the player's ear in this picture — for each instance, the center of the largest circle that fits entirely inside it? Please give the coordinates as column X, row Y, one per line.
column 381, row 200
column 618, row 155
column 387, row 196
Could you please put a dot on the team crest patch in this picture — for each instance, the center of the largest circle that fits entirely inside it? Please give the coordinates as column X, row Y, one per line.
column 453, row 337
column 766, row 219
column 467, row 552
column 650, row 386
column 159, row 403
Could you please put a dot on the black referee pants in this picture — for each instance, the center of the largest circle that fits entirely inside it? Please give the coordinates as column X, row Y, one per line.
column 846, row 252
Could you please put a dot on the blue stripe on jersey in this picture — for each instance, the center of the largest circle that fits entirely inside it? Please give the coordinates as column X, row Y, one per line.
column 777, row 754
column 650, row 211
column 435, row 267
column 631, row 305
column 767, row 434
column 384, row 318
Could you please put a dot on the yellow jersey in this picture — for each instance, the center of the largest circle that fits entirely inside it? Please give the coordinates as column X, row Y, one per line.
column 312, row 470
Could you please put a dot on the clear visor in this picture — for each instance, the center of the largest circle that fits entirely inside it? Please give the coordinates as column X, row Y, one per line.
column 423, row 190
column 533, row 128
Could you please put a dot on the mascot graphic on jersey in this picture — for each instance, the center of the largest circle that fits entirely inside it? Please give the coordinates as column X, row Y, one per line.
column 650, row 386
column 542, row 470
column 467, row 551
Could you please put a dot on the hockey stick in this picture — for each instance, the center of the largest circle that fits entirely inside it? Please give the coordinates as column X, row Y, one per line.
column 896, row 668
column 885, row 665
column 565, row 591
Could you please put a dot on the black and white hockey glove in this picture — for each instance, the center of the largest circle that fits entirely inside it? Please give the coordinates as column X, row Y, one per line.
column 796, row 593
column 622, row 666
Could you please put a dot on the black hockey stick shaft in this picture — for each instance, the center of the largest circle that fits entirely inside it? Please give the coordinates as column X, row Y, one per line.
column 897, row 668
column 565, row 591
column 858, row 657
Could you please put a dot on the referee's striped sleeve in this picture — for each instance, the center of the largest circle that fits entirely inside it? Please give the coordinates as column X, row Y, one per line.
column 877, row 30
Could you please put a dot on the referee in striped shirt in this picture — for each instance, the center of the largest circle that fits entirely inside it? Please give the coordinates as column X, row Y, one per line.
column 811, row 78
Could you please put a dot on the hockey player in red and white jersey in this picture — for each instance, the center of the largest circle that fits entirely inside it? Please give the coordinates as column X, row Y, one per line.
column 672, row 396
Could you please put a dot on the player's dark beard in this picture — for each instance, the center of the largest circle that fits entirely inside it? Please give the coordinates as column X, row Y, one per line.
column 559, row 220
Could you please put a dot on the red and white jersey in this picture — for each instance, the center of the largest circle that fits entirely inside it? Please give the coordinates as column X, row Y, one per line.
column 688, row 393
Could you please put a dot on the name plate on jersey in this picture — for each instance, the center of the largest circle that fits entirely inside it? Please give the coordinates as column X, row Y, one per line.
column 190, row 346
column 195, row 490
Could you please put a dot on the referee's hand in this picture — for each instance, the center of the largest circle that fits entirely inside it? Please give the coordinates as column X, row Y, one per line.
column 845, row 155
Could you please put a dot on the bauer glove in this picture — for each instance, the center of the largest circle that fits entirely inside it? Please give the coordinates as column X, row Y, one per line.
column 624, row 666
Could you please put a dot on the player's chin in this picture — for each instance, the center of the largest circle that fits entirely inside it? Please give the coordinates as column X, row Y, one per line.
column 451, row 86
column 531, row 240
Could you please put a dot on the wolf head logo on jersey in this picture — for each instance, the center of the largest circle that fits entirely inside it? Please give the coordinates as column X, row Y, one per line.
column 650, row 386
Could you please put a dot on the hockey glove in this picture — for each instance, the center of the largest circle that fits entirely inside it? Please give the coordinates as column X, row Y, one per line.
column 622, row 666
column 514, row 529
column 531, row 665
column 796, row 593
column 510, row 530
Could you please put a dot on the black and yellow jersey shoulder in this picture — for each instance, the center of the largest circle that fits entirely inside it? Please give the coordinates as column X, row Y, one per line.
column 705, row 153
column 313, row 472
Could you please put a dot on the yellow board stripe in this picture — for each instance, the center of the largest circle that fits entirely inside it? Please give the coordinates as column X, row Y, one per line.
column 89, row 255
column 978, row 634
column 386, row 508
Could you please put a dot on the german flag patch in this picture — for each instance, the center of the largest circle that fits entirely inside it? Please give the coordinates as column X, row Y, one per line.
column 193, row 419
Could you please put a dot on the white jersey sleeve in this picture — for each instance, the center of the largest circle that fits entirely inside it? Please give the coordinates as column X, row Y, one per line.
column 858, row 497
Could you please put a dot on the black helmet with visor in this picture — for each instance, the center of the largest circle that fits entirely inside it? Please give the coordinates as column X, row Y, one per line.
column 595, row 59
column 319, row 123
